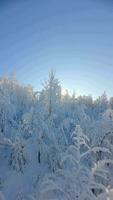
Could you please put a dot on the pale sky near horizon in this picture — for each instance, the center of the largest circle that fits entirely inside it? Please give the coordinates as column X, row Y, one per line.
column 73, row 37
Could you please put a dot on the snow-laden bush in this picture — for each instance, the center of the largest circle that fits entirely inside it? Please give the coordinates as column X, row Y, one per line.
column 75, row 180
column 18, row 155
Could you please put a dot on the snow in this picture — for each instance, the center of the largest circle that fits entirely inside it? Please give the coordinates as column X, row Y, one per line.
column 54, row 147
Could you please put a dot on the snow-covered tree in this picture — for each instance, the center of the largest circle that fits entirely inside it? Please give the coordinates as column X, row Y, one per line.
column 51, row 93
column 65, row 162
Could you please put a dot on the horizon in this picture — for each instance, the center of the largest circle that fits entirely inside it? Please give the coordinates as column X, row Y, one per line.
column 64, row 91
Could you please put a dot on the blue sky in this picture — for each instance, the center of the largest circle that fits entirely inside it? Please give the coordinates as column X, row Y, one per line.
column 73, row 37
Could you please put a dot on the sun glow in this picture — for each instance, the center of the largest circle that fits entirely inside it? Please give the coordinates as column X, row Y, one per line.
column 64, row 92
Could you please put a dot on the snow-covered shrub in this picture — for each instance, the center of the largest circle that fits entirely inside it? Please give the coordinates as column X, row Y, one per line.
column 18, row 155
column 90, row 178
column 54, row 157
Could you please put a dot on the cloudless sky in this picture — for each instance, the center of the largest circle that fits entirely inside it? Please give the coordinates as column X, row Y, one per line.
column 74, row 37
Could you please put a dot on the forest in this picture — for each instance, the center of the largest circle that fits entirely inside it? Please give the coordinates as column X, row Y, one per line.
column 54, row 146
